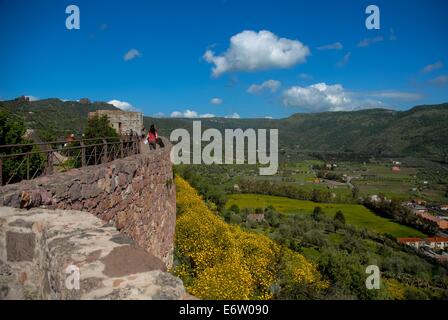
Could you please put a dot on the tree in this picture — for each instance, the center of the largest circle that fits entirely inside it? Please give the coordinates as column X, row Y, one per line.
column 272, row 218
column 234, row 208
column 235, row 219
column 355, row 192
column 99, row 127
column 12, row 131
column 47, row 134
column 339, row 216
column 318, row 214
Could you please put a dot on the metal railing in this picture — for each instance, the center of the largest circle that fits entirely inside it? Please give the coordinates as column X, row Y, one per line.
column 27, row 161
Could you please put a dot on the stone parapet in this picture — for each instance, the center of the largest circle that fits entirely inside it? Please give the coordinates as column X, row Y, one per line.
column 135, row 194
column 40, row 248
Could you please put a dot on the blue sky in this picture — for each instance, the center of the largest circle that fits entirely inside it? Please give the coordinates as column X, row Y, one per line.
column 271, row 58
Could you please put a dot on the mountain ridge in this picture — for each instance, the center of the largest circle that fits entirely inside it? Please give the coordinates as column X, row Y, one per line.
column 419, row 131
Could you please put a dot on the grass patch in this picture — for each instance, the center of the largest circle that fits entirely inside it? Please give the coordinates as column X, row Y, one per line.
column 355, row 214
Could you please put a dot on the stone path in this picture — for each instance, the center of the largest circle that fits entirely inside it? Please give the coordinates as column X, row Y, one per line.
column 38, row 245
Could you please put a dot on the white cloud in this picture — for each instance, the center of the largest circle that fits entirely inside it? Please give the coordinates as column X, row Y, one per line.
column 132, row 54
column 272, row 85
column 252, row 51
column 159, row 115
column 440, row 80
column 207, row 115
column 323, row 97
column 432, row 67
column 216, row 101
column 233, row 116
column 396, row 95
column 123, row 105
column 368, row 41
column 176, row 114
column 305, row 76
column 333, row 46
column 32, row 98
column 190, row 114
column 268, row 117
column 344, row 60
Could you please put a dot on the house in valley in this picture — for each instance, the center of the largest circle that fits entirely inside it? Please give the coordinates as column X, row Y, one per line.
column 255, row 217
column 441, row 223
column 413, row 242
column 432, row 243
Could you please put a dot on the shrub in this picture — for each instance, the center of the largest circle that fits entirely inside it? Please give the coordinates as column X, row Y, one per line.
column 12, row 131
column 339, row 216
column 221, row 261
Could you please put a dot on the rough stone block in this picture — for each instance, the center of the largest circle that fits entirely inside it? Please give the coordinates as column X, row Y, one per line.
column 20, row 246
column 75, row 191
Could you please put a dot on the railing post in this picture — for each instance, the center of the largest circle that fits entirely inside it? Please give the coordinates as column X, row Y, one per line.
column 104, row 157
column 27, row 167
column 137, row 141
column 121, row 147
column 83, row 154
column 49, row 169
column 1, row 171
column 132, row 146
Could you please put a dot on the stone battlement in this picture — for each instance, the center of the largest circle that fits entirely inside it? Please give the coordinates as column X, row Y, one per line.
column 136, row 194
column 106, row 215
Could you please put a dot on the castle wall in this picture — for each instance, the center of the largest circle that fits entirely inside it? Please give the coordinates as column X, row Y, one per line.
column 122, row 121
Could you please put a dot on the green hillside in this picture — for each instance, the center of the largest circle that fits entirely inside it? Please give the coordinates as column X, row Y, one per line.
column 54, row 115
column 420, row 131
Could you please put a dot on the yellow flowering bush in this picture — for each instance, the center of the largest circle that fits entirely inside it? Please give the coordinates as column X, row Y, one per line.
column 221, row 261
column 299, row 270
column 395, row 289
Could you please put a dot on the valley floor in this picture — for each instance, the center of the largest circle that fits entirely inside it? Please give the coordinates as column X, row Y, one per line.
column 355, row 214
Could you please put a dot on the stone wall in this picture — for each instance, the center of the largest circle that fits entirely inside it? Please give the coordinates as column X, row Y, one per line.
column 136, row 194
column 41, row 248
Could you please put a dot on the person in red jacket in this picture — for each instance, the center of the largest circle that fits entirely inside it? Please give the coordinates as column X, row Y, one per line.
column 153, row 138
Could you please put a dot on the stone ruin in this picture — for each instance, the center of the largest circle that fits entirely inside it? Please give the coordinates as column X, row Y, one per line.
column 124, row 122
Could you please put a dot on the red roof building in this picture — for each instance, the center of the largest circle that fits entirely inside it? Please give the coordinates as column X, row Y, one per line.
column 433, row 242
column 441, row 223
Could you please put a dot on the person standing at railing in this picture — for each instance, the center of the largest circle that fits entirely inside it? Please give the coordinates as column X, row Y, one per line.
column 153, row 138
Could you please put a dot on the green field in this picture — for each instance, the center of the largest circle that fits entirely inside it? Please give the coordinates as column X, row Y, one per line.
column 355, row 214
